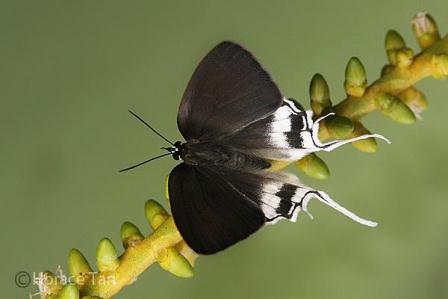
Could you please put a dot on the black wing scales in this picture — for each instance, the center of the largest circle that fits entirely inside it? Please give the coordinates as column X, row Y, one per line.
column 209, row 212
column 215, row 208
column 228, row 90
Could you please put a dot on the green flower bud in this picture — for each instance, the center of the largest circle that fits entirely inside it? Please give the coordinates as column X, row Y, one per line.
column 106, row 256
column 169, row 259
column 397, row 52
column 425, row 29
column 130, row 234
column 319, row 94
column 404, row 57
column 395, row 109
column 393, row 42
column 167, row 192
column 69, row 292
column 355, row 78
column 155, row 213
column 323, row 133
column 368, row 145
column 313, row 166
column 415, row 100
column 440, row 66
column 172, row 261
column 49, row 284
column 339, row 127
column 186, row 252
column 78, row 267
column 386, row 69
column 278, row 165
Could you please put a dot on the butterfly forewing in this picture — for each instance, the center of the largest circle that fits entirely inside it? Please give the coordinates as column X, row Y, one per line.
column 228, row 91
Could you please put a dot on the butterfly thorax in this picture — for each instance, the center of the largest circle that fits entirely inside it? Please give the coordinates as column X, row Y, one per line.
column 195, row 152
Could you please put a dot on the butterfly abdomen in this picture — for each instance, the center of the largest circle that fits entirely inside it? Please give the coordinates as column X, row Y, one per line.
column 213, row 154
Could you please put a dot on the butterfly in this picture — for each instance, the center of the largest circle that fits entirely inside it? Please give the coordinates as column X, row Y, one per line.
column 236, row 122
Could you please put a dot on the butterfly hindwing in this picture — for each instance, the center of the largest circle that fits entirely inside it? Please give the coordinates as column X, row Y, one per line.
column 209, row 212
column 228, row 91
column 215, row 208
column 283, row 135
column 288, row 134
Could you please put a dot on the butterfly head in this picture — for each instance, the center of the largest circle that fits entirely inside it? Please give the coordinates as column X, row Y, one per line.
column 176, row 150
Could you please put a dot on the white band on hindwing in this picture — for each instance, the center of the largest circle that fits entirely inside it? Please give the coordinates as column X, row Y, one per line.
column 270, row 202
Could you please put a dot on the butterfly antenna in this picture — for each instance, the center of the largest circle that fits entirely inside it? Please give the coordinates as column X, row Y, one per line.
column 144, row 162
column 152, row 129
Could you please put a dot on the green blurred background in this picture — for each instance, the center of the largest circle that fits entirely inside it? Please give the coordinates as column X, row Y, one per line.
column 69, row 71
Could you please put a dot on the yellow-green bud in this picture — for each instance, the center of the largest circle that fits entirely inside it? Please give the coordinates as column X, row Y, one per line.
column 49, row 284
column 78, row 267
column 106, row 256
column 404, row 57
column 155, row 213
column 313, row 166
column 355, row 78
column 319, row 94
column 440, row 66
column 368, row 145
column 278, row 165
column 167, row 192
column 415, row 100
column 130, row 234
column 323, row 133
column 186, row 252
column 397, row 52
column 425, row 29
column 339, row 127
column 172, row 261
column 395, row 109
column 393, row 42
column 386, row 69
column 69, row 292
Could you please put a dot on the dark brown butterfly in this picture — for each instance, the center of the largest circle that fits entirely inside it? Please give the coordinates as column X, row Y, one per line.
column 235, row 122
